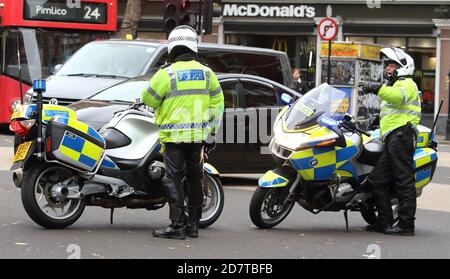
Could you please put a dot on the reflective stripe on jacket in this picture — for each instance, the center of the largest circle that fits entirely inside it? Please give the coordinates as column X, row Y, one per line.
column 188, row 101
column 400, row 105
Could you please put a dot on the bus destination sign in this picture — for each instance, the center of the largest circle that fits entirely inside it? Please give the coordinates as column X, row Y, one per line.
column 59, row 10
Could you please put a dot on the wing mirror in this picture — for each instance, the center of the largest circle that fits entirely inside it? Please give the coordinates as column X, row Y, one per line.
column 286, row 98
column 56, row 68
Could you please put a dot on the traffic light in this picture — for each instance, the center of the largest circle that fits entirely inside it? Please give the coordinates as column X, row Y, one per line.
column 187, row 15
column 212, row 8
column 171, row 14
column 178, row 12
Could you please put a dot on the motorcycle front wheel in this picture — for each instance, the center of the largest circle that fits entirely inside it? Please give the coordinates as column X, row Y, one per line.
column 268, row 207
column 38, row 201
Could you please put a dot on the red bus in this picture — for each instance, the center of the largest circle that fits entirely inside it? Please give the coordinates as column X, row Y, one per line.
column 37, row 35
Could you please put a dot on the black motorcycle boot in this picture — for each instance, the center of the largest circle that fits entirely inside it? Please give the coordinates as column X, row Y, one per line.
column 397, row 230
column 176, row 230
column 195, row 213
column 377, row 227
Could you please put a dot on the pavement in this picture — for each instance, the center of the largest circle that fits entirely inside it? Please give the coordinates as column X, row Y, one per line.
column 233, row 236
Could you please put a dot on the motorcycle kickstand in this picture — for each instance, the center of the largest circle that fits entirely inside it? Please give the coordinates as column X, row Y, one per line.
column 111, row 217
column 346, row 220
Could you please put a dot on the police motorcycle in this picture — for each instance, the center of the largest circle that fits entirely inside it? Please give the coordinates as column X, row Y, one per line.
column 324, row 159
column 68, row 165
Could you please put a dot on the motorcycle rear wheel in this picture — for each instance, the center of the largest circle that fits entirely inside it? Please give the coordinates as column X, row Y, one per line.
column 40, row 206
column 270, row 202
column 213, row 200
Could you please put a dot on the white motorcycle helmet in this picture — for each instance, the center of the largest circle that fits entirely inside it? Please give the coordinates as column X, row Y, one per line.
column 185, row 36
column 401, row 58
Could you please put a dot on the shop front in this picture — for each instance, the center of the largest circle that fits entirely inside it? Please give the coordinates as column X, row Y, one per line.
column 290, row 26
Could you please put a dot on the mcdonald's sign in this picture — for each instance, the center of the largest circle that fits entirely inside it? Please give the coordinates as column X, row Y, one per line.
column 280, row 44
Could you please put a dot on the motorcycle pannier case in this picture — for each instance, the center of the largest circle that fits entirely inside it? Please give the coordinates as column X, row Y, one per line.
column 74, row 143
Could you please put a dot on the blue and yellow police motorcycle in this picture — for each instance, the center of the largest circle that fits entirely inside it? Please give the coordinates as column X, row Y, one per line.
column 323, row 160
column 66, row 165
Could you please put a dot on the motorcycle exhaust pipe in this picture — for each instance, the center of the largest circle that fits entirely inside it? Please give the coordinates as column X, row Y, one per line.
column 17, row 178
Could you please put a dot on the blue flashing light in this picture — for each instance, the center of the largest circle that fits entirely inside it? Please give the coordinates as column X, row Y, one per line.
column 39, row 85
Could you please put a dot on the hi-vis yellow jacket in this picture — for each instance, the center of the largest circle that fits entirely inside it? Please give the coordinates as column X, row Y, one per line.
column 400, row 105
column 188, row 102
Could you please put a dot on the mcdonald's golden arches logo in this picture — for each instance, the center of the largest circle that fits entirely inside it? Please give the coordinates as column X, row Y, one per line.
column 280, row 44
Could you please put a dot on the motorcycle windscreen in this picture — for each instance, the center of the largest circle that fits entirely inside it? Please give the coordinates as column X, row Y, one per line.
column 322, row 101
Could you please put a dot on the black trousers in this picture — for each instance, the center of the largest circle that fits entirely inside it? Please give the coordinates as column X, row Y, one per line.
column 183, row 160
column 395, row 168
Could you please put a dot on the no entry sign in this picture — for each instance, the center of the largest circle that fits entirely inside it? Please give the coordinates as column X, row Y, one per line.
column 327, row 29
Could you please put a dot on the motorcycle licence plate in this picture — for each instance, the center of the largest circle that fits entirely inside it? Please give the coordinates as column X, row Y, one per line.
column 22, row 151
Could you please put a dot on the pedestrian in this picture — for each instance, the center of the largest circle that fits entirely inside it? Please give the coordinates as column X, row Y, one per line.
column 299, row 84
column 189, row 104
column 400, row 114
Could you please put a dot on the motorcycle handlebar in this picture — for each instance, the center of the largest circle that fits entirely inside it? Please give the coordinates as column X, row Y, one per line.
column 352, row 127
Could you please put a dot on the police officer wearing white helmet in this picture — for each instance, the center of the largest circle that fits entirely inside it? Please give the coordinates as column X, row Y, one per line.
column 188, row 103
column 400, row 114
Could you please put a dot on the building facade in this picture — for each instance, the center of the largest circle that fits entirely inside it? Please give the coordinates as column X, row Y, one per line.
column 422, row 28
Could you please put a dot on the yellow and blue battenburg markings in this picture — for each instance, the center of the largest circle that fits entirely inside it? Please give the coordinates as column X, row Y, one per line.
column 190, row 75
column 48, row 112
column 78, row 148
column 423, row 139
column 321, row 163
column 423, row 159
column 210, row 169
column 107, row 163
column 271, row 179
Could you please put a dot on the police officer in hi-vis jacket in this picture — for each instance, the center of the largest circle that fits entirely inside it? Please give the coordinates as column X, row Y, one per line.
column 189, row 104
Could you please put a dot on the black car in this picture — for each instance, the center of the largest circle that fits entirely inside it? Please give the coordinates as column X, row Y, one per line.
column 251, row 105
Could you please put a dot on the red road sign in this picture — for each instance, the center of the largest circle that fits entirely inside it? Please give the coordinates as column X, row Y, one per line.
column 327, row 29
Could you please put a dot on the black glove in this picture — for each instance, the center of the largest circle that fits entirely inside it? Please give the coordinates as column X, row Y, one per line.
column 209, row 144
column 371, row 88
column 374, row 87
column 374, row 121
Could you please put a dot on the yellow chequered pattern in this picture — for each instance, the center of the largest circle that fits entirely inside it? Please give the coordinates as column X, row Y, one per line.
column 50, row 111
column 77, row 146
column 321, row 163
column 423, row 159
column 423, row 139
column 271, row 179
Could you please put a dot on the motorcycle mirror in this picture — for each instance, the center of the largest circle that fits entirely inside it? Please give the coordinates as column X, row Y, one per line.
column 348, row 117
column 286, row 98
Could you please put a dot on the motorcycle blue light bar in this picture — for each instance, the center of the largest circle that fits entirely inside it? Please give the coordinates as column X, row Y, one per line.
column 39, row 85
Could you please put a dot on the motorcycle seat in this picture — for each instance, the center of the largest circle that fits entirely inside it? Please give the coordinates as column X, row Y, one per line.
column 371, row 152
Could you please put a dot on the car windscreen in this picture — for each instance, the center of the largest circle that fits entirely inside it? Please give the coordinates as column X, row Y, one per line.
column 127, row 91
column 121, row 60
column 232, row 61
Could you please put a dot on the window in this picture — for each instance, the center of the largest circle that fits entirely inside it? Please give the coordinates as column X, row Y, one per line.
column 365, row 40
column 232, row 61
column 392, row 41
column 258, row 94
column 40, row 51
column 229, row 94
column 162, row 60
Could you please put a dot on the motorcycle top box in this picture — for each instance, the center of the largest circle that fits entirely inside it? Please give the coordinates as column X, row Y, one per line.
column 74, row 143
